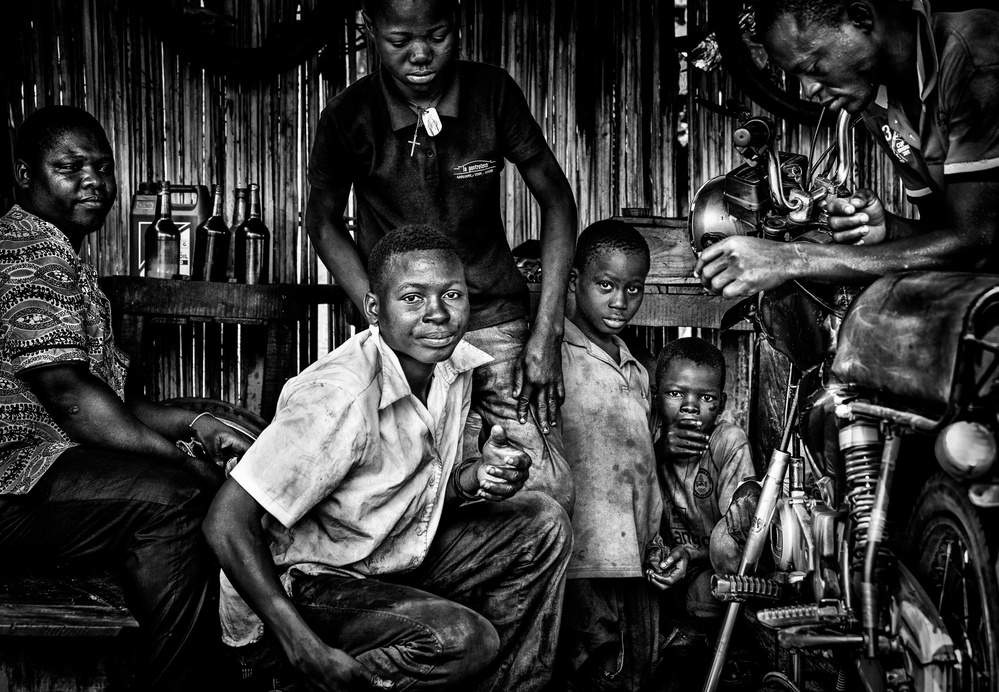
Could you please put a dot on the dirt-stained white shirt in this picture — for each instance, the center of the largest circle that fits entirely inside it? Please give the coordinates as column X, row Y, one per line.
column 353, row 469
column 608, row 444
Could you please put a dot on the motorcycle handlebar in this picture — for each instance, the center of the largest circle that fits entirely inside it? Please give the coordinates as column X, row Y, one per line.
column 755, row 133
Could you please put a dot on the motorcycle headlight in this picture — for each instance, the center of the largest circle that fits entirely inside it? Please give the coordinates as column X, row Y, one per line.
column 966, row 450
column 710, row 218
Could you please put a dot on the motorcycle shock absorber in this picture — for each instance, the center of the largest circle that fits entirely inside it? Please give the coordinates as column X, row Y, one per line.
column 861, row 443
column 870, row 466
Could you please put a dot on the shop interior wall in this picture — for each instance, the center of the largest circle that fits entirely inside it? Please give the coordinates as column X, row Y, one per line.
column 608, row 82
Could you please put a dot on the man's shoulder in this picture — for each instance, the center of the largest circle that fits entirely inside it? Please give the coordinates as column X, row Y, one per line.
column 480, row 78
column 971, row 34
column 348, row 372
column 358, row 95
column 26, row 239
column 484, row 70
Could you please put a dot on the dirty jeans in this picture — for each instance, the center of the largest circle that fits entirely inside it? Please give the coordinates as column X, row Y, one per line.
column 493, row 403
column 482, row 610
column 99, row 508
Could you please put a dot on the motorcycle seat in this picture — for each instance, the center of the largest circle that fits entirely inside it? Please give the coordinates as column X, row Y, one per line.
column 915, row 338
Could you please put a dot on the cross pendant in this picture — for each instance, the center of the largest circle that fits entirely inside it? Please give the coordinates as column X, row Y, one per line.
column 416, row 132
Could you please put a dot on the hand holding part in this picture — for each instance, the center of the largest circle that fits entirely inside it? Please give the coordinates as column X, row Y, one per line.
column 219, row 441
column 858, row 219
column 740, row 266
column 665, row 572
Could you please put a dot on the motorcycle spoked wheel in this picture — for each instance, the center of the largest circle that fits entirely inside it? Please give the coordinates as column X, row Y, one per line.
column 947, row 550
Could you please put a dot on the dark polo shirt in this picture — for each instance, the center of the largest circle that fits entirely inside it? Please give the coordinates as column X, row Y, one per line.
column 957, row 69
column 451, row 181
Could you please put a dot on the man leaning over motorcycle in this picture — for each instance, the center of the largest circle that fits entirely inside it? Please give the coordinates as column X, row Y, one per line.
column 927, row 86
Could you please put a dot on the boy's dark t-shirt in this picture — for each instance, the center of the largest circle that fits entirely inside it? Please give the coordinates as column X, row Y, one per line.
column 452, row 181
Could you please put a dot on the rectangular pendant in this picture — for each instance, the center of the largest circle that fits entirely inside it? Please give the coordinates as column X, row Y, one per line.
column 432, row 121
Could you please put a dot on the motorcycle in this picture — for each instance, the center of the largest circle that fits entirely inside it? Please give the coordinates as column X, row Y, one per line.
column 876, row 523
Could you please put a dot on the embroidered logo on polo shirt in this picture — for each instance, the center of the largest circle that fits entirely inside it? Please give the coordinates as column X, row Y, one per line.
column 473, row 169
column 703, row 485
column 898, row 145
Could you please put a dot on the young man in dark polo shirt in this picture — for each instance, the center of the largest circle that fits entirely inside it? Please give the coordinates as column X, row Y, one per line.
column 927, row 87
column 423, row 140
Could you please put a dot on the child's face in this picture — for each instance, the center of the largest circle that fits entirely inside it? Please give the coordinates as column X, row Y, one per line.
column 609, row 291
column 690, row 395
column 422, row 311
column 415, row 42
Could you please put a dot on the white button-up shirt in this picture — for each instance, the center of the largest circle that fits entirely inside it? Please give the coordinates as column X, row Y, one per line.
column 353, row 469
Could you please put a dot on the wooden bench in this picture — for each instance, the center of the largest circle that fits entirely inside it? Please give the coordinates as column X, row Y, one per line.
column 65, row 633
column 70, row 631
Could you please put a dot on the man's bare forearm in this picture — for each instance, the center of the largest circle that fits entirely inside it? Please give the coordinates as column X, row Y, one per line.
column 235, row 535
column 334, row 245
column 339, row 253
column 942, row 249
column 558, row 241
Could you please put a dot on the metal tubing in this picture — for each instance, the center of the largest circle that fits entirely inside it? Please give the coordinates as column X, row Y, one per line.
column 807, row 640
column 900, row 418
column 875, row 532
column 845, row 153
column 757, row 537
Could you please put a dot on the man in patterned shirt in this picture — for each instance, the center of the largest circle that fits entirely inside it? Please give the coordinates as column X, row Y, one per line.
column 89, row 469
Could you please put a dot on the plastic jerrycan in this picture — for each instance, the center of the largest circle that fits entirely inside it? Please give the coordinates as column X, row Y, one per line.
column 192, row 204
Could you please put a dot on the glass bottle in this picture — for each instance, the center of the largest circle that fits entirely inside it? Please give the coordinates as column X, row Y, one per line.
column 253, row 244
column 211, row 243
column 240, row 209
column 163, row 239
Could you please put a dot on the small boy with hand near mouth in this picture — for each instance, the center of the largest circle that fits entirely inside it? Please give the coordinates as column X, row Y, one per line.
column 709, row 482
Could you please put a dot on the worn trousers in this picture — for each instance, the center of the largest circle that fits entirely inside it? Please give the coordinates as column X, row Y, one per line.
column 142, row 517
column 481, row 612
column 493, row 403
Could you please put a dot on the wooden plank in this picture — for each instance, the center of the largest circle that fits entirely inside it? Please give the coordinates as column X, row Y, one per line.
column 47, row 619
column 674, row 310
column 215, row 300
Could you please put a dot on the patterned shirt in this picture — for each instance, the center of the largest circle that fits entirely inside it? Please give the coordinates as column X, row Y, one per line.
column 353, row 469
column 608, row 444
column 51, row 311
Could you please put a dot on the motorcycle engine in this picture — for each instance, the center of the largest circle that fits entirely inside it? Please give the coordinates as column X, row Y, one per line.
column 805, row 535
column 738, row 203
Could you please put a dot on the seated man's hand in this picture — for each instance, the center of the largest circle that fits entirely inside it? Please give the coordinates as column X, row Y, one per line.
column 740, row 266
column 222, row 443
column 684, row 439
column 333, row 670
column 664, row 569
column 858, row 219
column 503, row 468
